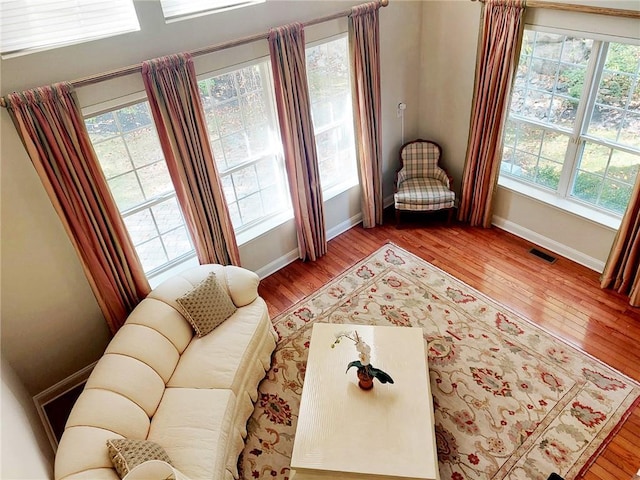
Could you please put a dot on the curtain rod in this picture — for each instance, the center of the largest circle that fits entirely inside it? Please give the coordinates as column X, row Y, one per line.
column 131, row 69
column 574, row 7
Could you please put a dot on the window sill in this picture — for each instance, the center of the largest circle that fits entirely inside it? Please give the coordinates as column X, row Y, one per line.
column 336, row 190
column 263, row 227
column 573, row 207
column 251, row 233
column 242, row 238
column 260, row 229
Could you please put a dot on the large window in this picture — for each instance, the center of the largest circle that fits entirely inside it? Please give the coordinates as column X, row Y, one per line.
column 329, row 80
column 32, row 25
column 127, row 146
column 240, row 114
column 574, row 119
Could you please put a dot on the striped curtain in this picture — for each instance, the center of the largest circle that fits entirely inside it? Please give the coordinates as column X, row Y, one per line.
column 497, row 63
column 286, row 46
column 173, row 94
column 364, row 45
column 52, row 130
column 622, row 271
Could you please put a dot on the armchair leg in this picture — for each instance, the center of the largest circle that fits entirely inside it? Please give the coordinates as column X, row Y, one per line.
column 397, row 218
column 450, row 215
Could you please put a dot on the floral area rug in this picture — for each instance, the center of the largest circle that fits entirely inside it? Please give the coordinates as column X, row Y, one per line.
column 511, row 401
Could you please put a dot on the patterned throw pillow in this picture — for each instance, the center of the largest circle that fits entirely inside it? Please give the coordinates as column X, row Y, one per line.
column 126, row 454
column 206, row 306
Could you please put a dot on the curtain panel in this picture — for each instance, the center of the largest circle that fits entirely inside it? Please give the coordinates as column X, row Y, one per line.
column 174, row 98
column 622, row 270
column 364, row 47
column 498, row 52
column 52, row 130
column 287, row 51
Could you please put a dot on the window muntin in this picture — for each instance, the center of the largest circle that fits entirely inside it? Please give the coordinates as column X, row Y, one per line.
column 531, row 152
column 241, row 120
column 129, row 152
column 329, row 79
column 574, row 107
column 616, row 115
column 32, row 25
column 547, row 85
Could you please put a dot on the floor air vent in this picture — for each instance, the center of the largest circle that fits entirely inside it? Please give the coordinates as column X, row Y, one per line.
column 544, row 256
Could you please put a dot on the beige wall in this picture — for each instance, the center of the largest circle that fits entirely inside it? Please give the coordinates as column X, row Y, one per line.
column 51, row 324
column 26, row 451
column 448, row 59
column 449, row 44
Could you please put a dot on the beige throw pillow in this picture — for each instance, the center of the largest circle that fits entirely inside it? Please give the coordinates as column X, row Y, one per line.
column 126, row 454
column 206, row 306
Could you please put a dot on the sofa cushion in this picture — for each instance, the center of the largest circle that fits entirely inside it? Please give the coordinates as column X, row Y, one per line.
column 85, row 454
column 223, row 358
column 206, row 306
column 155, row 469
column 147, row 345
column 127, row 453
column 110, row 411
column 129, row 377
column 163, row 317
column 194, row 426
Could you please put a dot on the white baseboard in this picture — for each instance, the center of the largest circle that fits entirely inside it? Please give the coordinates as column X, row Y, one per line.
column 549, row 244
column 344, row 226
column 277, row 264
column 292, row 256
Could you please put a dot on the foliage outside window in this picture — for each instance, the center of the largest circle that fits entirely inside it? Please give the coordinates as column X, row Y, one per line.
column 329, row 79
column 241, row 121
column 127, row 146
column 574, row 119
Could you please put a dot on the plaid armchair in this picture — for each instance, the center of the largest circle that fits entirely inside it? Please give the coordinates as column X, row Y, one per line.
column 421, row 185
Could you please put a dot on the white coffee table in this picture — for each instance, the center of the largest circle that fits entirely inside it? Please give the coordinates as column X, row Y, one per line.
column 345, row 432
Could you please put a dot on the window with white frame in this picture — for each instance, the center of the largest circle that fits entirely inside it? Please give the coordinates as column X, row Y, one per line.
column 32, row 25
column 329, row 79
column 180, row 9
column 574, row 119
column 128, row 149
column 241, row 120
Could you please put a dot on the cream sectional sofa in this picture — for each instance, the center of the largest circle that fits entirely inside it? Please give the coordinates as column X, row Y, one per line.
column 159, row 382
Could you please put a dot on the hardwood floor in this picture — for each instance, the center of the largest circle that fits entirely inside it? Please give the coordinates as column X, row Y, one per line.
column 563, row 297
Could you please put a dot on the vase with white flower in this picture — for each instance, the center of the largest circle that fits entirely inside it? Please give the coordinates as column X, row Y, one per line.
column 366, row 371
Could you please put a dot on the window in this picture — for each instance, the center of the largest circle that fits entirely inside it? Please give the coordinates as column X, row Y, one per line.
column 30, row 25
column 240, row 113
column 127, row 146
column 329, row 79
column 178, row 9
column 574, row 119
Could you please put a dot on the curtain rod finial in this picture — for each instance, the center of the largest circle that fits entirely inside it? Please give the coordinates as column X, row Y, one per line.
column 384, row 3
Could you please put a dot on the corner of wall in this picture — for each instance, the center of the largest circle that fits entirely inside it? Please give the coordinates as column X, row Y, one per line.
column 447, row 73
column 26, row 451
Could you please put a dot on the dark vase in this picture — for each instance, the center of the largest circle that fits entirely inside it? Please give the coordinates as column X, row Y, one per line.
column 365, row 380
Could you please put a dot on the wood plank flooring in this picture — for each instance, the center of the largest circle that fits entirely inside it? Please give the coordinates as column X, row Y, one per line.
column 564, row 298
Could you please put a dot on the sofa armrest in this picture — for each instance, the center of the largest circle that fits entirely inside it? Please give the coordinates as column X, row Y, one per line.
column 242, row 285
